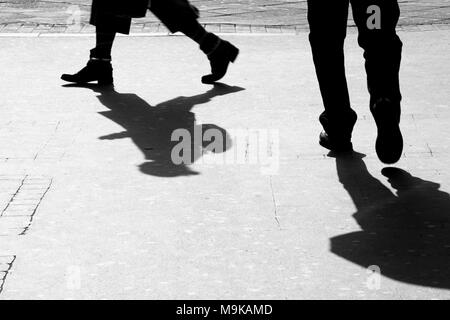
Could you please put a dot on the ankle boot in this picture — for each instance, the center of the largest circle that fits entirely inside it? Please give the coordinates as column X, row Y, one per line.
column 220, row 57
column 389, row 143
column 99, row 70
column 337, row 135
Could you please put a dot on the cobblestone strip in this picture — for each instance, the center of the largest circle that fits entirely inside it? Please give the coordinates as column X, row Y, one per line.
column 156, row 28
column 6, row 263
column 18, row 213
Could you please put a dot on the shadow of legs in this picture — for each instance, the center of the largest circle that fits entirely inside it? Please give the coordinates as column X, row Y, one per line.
column 407, row 235
column 151, row 127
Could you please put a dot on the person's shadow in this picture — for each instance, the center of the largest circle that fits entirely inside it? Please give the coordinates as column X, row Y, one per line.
column 406, row 235
column 151, row 128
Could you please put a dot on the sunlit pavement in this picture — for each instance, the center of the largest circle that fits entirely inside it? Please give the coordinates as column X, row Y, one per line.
column 91, row 205
column 93, row 208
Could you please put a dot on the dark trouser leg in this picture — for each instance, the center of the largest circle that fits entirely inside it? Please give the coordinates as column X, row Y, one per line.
column 104, row 43
column 376, row 21
column 179, row 15
column 382, row 47
column 207, row 41
column 219, row 52
column 99, row 66
column 328, row 25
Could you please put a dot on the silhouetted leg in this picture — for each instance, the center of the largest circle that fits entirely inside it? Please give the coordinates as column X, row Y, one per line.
column 376, row 21
column 382, row 47
column 207, row 41
column 179, row 15
column 104, row 43
column 328, row 24
column 107, row 25
column 99, row 66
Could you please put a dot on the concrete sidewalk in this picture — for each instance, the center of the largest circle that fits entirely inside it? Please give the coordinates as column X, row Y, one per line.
column 92, row 208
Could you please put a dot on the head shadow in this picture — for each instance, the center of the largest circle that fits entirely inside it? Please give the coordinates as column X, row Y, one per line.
column 151, row 128
column 406, row 233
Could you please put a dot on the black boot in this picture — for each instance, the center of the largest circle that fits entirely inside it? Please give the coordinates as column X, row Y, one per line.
column 338, row 138
column 333, row 144
column 220, row 57
column 389, row 144
column 99, row 70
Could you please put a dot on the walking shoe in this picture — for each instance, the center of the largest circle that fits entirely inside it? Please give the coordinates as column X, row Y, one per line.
column 95, row 70
column 219, row 59
column 337, row 137
column 336, row 145
column 389, row 143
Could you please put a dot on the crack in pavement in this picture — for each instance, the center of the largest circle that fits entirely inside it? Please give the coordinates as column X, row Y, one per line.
column 6, row 264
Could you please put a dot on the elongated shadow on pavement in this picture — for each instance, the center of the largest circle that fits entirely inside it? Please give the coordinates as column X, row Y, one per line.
column 407, row 235
column 151, row 127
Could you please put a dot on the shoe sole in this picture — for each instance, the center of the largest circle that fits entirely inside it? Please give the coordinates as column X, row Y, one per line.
column 99, row 82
